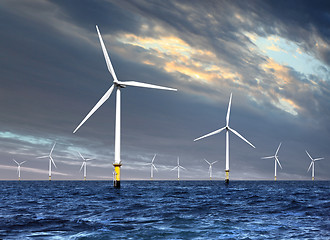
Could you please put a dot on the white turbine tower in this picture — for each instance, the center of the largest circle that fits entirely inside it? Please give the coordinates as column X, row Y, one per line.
column 19, row 168
column 312, row 164
column 152, row 167
column 84, row 165
column 275, row 159
column 51, row 160
column 210, row 168
column 118, row 85
column 178, row 167
column 227, row 128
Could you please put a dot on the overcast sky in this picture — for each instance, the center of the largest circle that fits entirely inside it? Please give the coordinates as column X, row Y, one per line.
column 274, row 56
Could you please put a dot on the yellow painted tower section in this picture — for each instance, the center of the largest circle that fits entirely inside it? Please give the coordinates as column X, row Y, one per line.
column 227, row 176
column 50, row 178
column 84, row 178
column 275, row 178
column 117, row 175
column 313, row 178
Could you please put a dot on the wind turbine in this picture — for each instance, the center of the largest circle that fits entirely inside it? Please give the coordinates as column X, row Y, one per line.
column 178, row 167
column 118, row 85
column 210, row 168
column 51, row 160
column 152, row 167
column 227, row 128
column 312, row 163
column 19, row 168
column 275, row 159
column 84, row 165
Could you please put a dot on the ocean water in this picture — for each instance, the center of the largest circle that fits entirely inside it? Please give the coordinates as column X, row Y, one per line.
column 165, row 210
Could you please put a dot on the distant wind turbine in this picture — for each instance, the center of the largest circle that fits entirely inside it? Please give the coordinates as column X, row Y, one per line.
column 84, row 165
column 210, row 168
column 19, row 168
column 312, row 163
column 227, row 128
column 152, row 167
column 51, row 160
column 275, row 159
column 178, row 167
column 118, row 85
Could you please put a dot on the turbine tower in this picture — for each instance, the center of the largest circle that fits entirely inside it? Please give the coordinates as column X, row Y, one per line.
column 84, row 165
column 227, row 128
column 152, row 167
column 312, row 164
column 19, row 168
column 118, row 85
column 275, row 159
column 210, row 168
column 51, row 160
column 178, row 167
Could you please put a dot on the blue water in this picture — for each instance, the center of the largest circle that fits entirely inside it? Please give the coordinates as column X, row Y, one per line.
column 165, row 210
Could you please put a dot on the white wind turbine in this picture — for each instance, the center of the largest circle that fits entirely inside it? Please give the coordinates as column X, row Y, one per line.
column 51, row 160
column 210, row 168
column 152, row 167
column 178, row 167
column 275, row 159
column 19, row 168
column 84, row 165
column 312, row 163
column 118, row 85
column 227, row 128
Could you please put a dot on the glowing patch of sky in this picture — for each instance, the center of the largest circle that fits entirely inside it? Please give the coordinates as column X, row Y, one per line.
column 28, row 139
column 288, row 53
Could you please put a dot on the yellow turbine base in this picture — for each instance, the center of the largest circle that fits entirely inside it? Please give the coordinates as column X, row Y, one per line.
column 50, row 178
column 312, row 178
column 227, row 176
column 116, row 182
column 275, row 178
column 84, row 178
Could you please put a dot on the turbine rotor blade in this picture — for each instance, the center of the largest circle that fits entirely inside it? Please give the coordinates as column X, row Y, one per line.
column 52, row 160
column 309, row 155
column 267, row 157
column 228, row 110
column 278, row 161
column 317, row 159
column 214, row 162
column 154, row 167
column 239, row 135
column 145, row 85
column 210, row 134
column 182, row 168
column 278, row 149
column 43, row 157
column 81, row 156
column 51, row 151
column 17, row 162
column 22, row 162
column 153, row 159
column 98, row 104
column 207, row 161
column 82, row 165
column 106, row 56
column 174, row 168
column 310, row 166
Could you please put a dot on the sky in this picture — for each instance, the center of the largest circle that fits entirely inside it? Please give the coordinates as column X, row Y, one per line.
column 274, row 56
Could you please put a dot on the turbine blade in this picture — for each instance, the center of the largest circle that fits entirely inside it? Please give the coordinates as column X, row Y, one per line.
column 82, row 165
column 278, row 149
column 22, row 162
column 17, row 162
column 43, row 157
column 317, row 159
column 81, row 156
column 52, row 160
column 145, row 85
column 310, row 166
column 174, row 168
column 309, row 156
column 278, row 161
column 267, row 157
column 155, row 167
column 106, row 56
column 239, row 135
column 228, row 110
column 182, row 168
column 207, row 161
column 98, row 104
column 153, row 159
column 214, row 162
column 210, row 134
column 89, row 159
column 51, row 151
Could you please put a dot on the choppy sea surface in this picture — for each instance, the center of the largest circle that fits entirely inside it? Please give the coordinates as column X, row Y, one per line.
column 165, row 210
